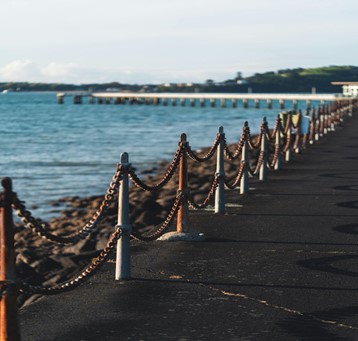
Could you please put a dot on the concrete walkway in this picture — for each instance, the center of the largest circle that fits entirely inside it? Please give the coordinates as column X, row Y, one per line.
column 282, row 264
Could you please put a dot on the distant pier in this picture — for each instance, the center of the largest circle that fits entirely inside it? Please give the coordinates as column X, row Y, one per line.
column 197, row 99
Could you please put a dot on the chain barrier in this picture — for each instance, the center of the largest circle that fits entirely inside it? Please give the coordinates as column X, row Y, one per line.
column 41, row 229
column 238, row 178
column 167, row 177
column 208, row 198
column 80, row 277
column 208, row 155
column 162, row 228
column 252, row 144
column 238, row 149
column 275, row 156
column 260, row 162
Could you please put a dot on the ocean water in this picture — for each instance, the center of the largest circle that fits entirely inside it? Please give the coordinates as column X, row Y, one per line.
column 52, row 151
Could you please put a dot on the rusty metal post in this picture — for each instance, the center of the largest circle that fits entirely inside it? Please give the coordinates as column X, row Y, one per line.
column 123, row 258
column 9, row 326
column 244, row 182
column 220, row 190
column 183, row 212
column 263, row 168
column 278, row 163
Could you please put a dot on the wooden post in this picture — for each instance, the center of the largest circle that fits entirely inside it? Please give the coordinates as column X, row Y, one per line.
column 257, row 103
column 183, row 212
column 263, row 168
column 269, row 104
column 9, row 326
column 123, row 258
column 245, row 103
column 220, row 190
column 60, row 99
column 223, row 102
column 174, row 102
column 202, row 102
column 182, row 102
column 282, row 103
column 213, row 102
column 244, row 182
column 294, row 104
column 192, row 102
column 234, row 102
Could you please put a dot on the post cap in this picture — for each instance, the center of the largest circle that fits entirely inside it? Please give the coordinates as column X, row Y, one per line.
column 7, row 184
column 183, row 137
column 124, row 157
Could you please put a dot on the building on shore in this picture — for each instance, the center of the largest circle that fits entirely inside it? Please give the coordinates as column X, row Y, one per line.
column 350, row 89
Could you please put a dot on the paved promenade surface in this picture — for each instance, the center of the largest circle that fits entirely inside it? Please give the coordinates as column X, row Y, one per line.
column 282, row 264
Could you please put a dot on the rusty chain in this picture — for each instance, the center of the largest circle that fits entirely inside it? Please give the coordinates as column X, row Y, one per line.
column 41, row 229
column 238, row 149
column 80, row 277
column 275, row 156
column 252, row 144
column 238, row 178
column 161, row 229
column 258, row 165
column 169, row 174
column 208, row 198
column 208, row 155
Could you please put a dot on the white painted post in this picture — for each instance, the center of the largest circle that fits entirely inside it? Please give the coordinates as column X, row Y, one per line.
column 263, row 168
column 220, row 190
column 244, row 182
column 123, row 259
column 278, row 163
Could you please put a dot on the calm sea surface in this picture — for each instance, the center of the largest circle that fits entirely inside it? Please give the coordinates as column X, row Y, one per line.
column 52, row 150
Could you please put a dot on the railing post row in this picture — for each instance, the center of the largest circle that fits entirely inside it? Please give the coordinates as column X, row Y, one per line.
column 123, row 257
column 183, row 212
column 244, row 182
column 9, row 326
column 220, row 171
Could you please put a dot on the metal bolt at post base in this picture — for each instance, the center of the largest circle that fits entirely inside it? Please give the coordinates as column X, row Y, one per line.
column 263, row 168
column 244, row 182
column 123, row 258
column 183, row 212
column 220, row 190
column 9, row 326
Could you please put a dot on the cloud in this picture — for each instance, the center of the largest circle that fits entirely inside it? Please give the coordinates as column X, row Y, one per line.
column 19, row 70
column 59, row 71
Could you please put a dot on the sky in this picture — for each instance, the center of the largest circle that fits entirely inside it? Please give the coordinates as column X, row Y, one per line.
column 159, row 41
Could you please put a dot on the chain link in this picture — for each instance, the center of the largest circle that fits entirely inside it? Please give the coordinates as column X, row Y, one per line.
column 208, row 198
column 169, row 174
column 41, row 228
column 240, row 145
column 161, row 229
column 208, row 155
column 238, row 177
column 78, row 278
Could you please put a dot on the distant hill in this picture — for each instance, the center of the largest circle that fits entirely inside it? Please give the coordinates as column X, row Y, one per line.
column 297, row 80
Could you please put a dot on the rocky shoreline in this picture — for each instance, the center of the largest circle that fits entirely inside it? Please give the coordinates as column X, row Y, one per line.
column 40, row 262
